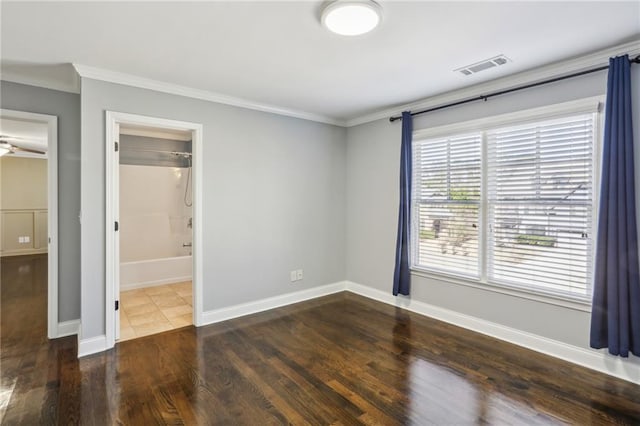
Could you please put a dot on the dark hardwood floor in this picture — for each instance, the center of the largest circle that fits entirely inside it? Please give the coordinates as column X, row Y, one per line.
column 341, row 359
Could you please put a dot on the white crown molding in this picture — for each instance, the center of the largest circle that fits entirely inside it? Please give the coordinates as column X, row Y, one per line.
column 564, row 67
column 556, row 69
column 159, row 86
column 40, row 82
column 590, row 358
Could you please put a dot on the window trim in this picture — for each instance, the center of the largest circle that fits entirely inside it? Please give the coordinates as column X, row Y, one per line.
column 585, row 105
column 581, row 106
column 583, row 305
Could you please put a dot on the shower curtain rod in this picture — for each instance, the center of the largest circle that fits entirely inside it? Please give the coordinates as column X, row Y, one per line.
column 158, row 151
column 635, row 60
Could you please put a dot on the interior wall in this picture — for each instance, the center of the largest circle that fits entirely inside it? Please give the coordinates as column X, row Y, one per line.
column 153, row 214
column 273, row 197
column 66, row 106
column 23, row 183
column 373, row 160
column 23, row 205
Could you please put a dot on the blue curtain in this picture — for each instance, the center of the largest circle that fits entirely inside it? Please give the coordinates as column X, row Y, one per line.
column 615, row 316
column 401, row 274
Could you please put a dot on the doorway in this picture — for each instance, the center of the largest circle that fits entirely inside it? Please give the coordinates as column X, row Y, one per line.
column 29, row 203
column 156, row 219
column 153, row 207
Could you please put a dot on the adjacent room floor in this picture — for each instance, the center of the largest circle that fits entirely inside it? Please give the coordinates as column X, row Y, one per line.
column 23, row 331
column 341, row 359
column 156, row 309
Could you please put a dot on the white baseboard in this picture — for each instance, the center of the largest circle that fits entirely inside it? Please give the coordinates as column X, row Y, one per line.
column 223, row 314
column 91, row 345
column 590, row 358
column 145, row 284
column 22, row 252
column 597, row 360
column 68, row 328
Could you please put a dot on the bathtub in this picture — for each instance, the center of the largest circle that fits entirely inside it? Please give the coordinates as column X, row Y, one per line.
column 149, row 273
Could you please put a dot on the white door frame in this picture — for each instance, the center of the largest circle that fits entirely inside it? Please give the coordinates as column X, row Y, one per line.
column 112, row 196
column 52, row 209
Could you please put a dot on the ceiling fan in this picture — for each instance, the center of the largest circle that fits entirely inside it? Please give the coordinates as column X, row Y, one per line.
column 11, row 145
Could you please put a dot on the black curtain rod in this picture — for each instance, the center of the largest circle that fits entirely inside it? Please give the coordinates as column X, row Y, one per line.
column 636, row 60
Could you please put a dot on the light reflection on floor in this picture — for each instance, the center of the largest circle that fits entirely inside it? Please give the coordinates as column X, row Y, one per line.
column 431, row 386
column 6, row 391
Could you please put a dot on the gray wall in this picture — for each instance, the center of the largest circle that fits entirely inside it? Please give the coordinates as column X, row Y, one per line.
column 274, row 197
column 66, row 106
column 275, row 200
column 372, row 196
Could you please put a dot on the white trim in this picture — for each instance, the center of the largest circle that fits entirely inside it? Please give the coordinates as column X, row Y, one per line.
column 52, row 210
column 175, row 89
column 564, row 67
column 223, row 314
column 521, row 292
column 112, row 257
column 24, row 252
column 68, row 328
column 52, row 221
column 197, row 185
column 591, row 105
column 593, row 359
column 112, row 265
column 589, row 358
column 556, row 69
column 45, row 83
column 156, row 134
column 586, row 105
column 92, row 345
column 145, row 284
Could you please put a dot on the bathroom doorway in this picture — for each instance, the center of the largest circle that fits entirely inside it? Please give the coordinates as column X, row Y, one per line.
column 155, row 226
column 153, row 184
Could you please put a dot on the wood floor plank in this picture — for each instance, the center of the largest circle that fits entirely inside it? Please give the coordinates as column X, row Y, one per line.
column 259, row 356
column 269, row 392
column 337, row 360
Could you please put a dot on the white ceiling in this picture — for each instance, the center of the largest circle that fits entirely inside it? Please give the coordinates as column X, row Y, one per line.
column 277, row 53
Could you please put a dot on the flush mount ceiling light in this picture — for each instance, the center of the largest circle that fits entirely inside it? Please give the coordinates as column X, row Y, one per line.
column 351, row 17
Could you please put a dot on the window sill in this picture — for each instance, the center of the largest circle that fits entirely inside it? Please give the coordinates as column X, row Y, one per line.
column 575, row 304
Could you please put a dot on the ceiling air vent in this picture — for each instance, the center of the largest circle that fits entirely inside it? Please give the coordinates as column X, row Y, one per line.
column 483, row 65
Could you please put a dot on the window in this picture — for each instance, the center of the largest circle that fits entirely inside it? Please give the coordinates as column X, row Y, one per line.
column 447, row 177
column 510, row 204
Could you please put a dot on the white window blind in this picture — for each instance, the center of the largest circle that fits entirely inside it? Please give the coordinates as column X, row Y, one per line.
column 540, row 201
column 446, row 201
column 510, row 202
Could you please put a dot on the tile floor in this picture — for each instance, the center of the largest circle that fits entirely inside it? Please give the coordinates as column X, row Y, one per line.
column 153, row 310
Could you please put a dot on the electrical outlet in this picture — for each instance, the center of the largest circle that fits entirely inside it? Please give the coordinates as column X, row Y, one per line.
column 27, row 239
column 20, row 240
column 299, row 274
column 293, row 275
